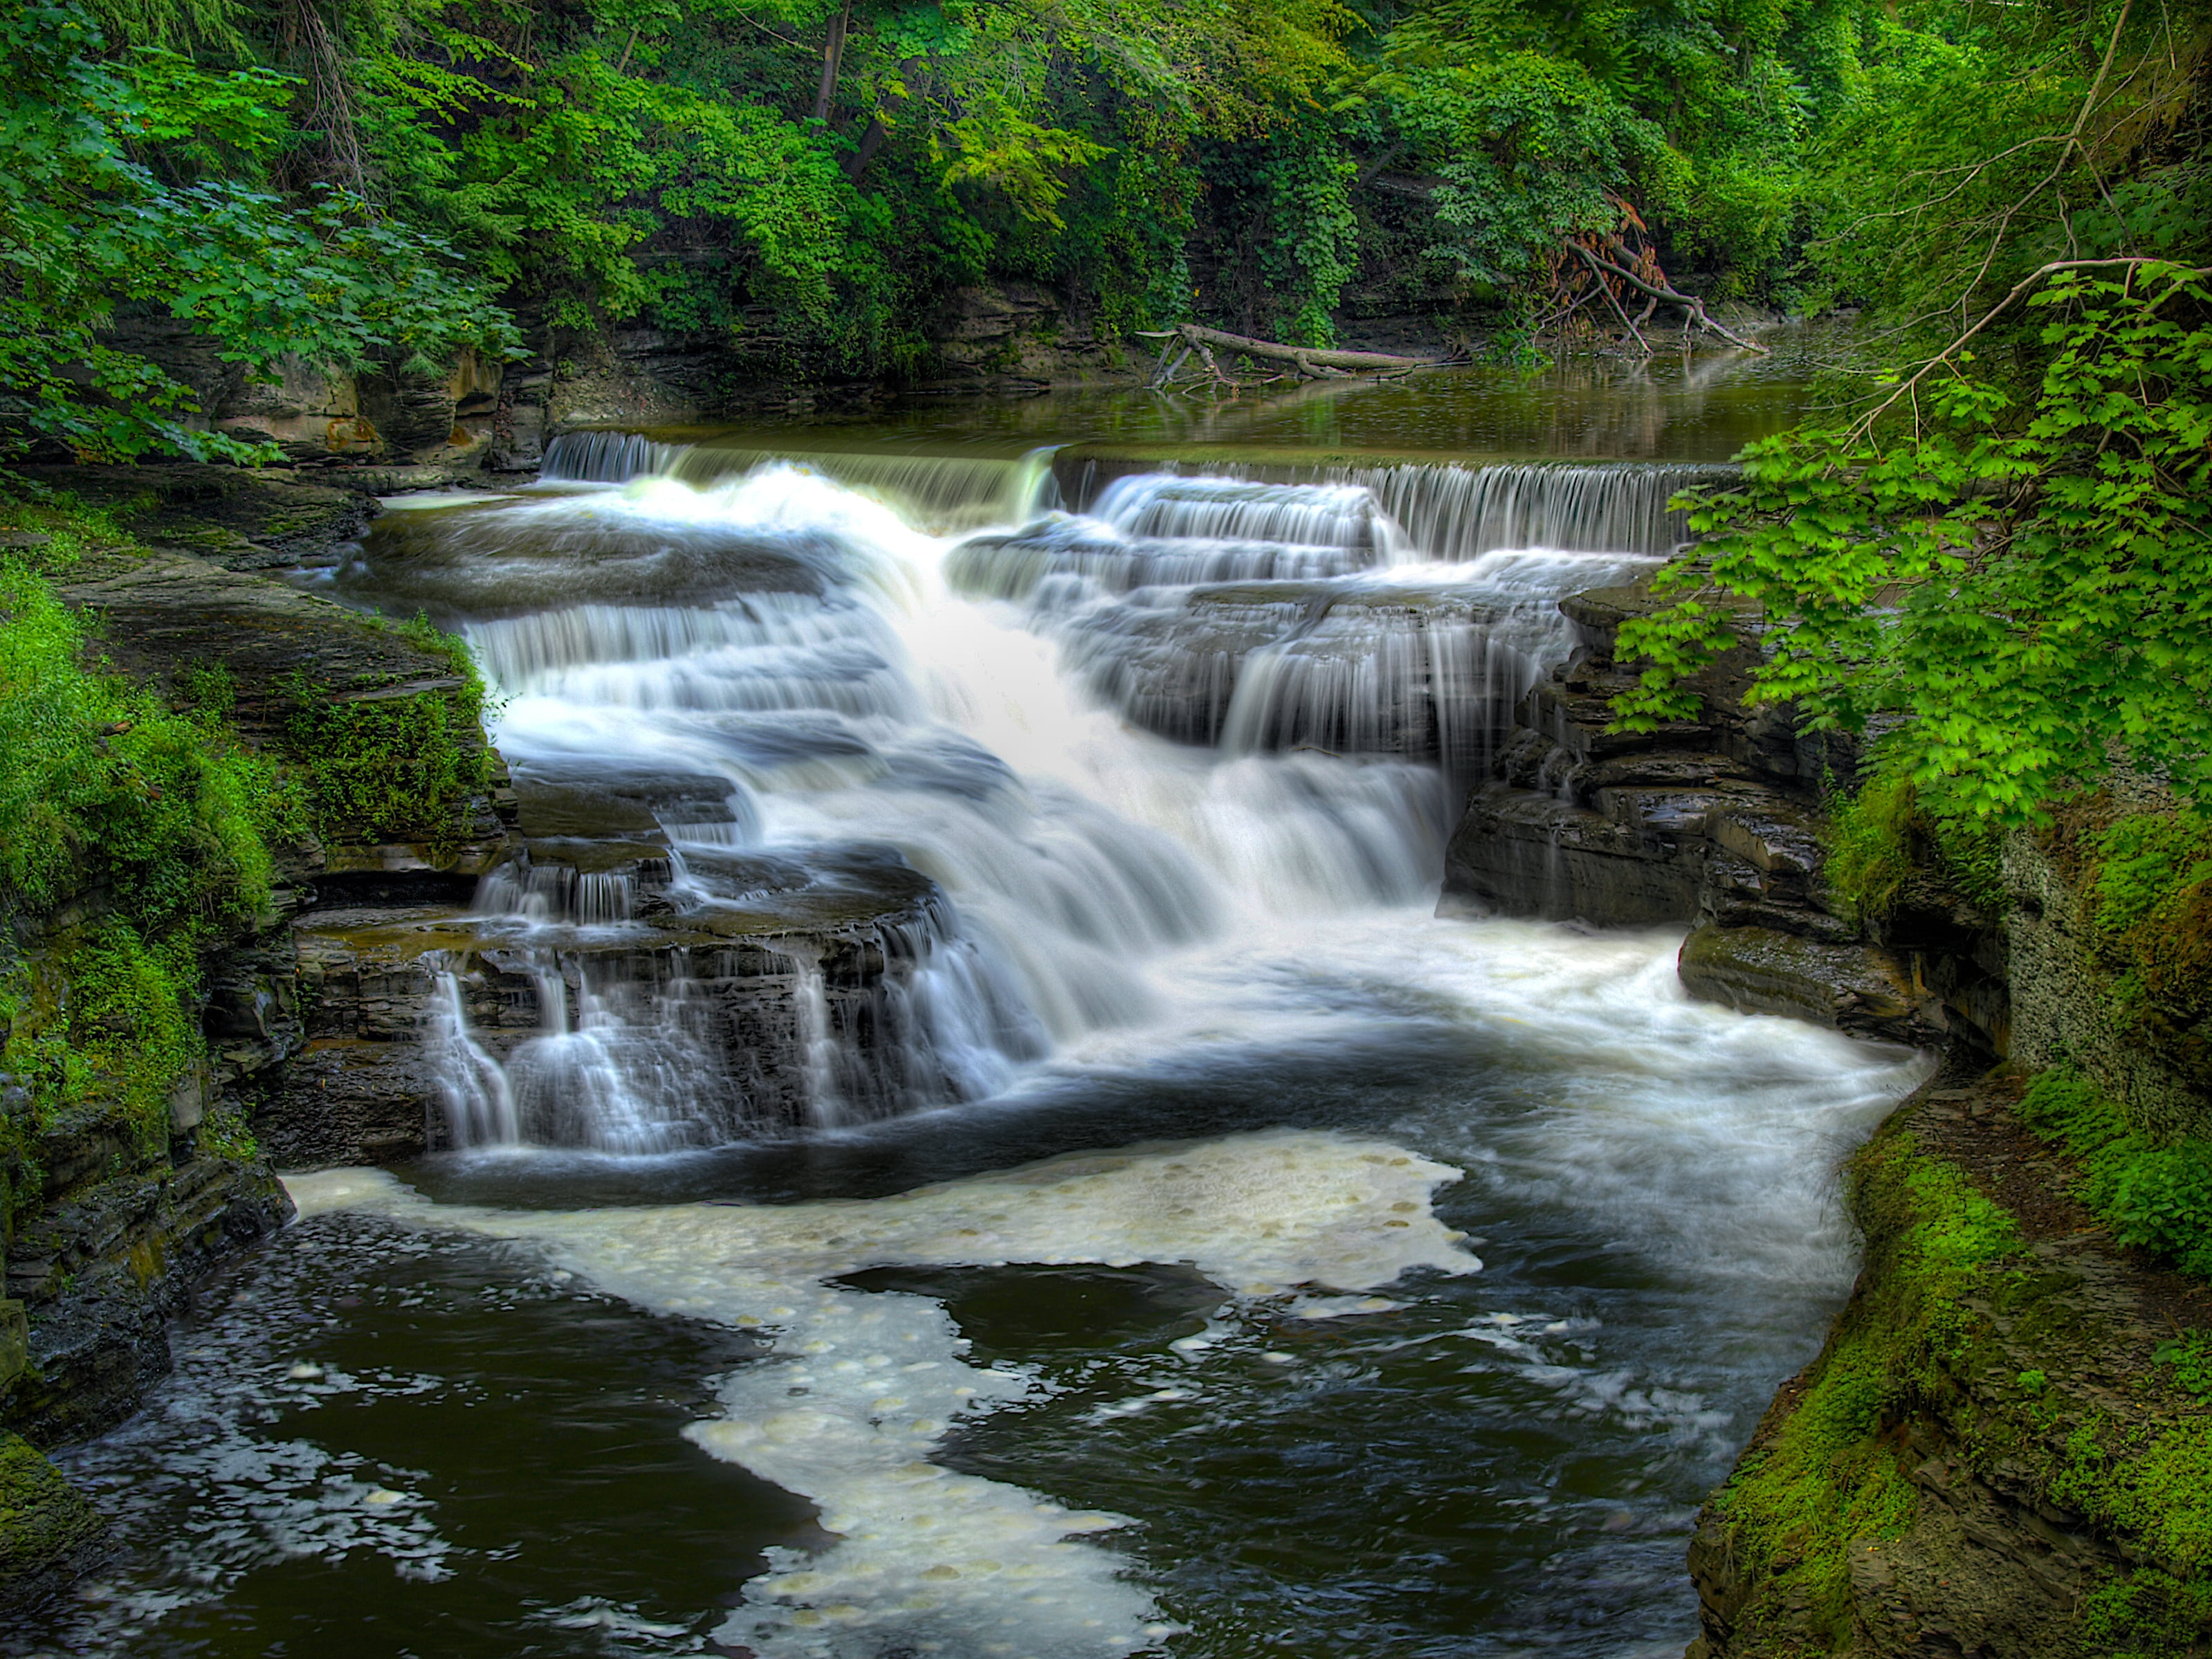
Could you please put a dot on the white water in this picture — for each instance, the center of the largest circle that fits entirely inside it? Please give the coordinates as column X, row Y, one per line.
column 887, row 710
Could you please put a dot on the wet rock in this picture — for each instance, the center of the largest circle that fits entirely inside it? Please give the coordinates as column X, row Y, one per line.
column 1714, row 822
column 724, row 990
column 310, row 413
column 235, row 518
column 1856, row 988
column 103, row 1267
column 1515, row 853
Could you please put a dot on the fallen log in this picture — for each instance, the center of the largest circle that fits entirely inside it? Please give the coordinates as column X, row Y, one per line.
column 1315, row 363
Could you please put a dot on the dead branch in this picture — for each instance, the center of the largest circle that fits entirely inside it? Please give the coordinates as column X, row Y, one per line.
column 1315, row 361
column 1668, row 292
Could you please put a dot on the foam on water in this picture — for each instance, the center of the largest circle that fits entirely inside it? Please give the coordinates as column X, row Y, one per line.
column 862, row 1387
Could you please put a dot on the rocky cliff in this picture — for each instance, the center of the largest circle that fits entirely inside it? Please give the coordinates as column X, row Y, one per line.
column 319, row 1024
column 1714, row 825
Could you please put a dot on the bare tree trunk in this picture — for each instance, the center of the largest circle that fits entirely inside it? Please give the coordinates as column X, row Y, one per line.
column 872, row 140
column 833, row 55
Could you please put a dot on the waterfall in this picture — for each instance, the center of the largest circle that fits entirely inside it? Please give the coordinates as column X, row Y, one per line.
column 1342, row 635
column 936, row 492
column 870, row 825
column 1446, row 511
column 602, row 457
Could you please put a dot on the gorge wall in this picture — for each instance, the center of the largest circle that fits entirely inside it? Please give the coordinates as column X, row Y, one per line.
column 1958, row 1473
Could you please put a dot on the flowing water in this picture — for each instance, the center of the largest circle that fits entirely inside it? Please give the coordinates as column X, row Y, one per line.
column 1006, row 1160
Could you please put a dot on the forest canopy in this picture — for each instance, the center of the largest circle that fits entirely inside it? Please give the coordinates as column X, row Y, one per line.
column 390, row 179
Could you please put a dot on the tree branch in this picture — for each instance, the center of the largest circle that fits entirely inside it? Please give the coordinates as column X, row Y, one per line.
column 1865, row 422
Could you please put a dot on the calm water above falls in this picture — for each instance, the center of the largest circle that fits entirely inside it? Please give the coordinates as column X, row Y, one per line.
column 1199, row 1248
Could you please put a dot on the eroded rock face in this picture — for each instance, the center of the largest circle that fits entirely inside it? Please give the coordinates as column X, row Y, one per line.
column 49, row 1533
column 762, row 1007
column 1713, row 824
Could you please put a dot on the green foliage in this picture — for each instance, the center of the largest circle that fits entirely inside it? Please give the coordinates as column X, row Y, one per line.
column 392, row 767
column 107, row 208
column 97, row 775
column 2025, row 592
column 1879, row 838
column 1314, row 252
column 2154, row 1485
column 2153, row 1196
column 2189, row 1356
column 2148, row 1615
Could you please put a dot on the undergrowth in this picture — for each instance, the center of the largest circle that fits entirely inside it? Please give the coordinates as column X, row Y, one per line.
column 1879, row 838
column 156, row 824
column 2156, row 1196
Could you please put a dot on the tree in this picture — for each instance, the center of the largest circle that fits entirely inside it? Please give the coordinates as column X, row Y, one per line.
column 91, row 226
column 2016, row 594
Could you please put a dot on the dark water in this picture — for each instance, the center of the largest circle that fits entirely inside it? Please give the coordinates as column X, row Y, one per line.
column 1664, row 409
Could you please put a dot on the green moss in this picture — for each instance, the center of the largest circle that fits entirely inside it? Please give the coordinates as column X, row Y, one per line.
column 43, row 1519
column 1830, row 1475
column 2148, row 1615
column 160, row 821
column 2156, row 1197
column 227, row 1134
column 390, row 768
column 100, row 781
column 2146, row 882
column 2153, row 1482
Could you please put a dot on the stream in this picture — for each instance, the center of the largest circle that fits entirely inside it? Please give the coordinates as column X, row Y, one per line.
column 1164, row 1233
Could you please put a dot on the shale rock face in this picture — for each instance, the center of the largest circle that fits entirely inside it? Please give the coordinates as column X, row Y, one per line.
column 116, row 1220
column 1713, row 824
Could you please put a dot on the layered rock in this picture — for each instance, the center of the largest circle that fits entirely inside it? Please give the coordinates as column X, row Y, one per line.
column 115, row 1221
column 1714, row 824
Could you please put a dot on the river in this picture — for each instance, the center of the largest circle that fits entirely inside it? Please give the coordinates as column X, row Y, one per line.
column 1169, row 1235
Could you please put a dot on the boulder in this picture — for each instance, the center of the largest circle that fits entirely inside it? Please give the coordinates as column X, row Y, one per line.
column 1856, row 988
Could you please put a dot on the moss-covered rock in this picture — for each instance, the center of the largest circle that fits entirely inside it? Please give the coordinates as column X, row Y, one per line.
column 1996, row 1453
column 48, row 1532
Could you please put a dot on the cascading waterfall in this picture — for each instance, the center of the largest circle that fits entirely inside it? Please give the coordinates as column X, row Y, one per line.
column 765, row 746
column 599, row 456
column 1448, row 512
column 938, row 492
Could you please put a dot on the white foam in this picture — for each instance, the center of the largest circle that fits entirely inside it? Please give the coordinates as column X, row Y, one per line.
column 861, row 1386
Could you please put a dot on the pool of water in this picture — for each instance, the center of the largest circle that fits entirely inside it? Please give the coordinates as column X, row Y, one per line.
column 1246, row 1260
